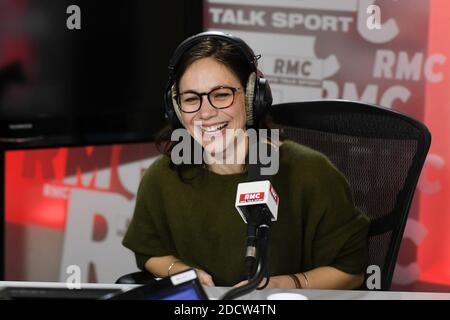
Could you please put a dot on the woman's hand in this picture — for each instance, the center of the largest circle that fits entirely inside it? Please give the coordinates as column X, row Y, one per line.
column 271, row 284
column 319, row 278
column 205, row 278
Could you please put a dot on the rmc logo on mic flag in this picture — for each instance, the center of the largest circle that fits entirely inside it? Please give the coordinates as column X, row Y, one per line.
column 257, row 193
column 251, row 197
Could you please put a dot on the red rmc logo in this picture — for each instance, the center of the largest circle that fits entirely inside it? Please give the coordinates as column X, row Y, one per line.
column 253, row 196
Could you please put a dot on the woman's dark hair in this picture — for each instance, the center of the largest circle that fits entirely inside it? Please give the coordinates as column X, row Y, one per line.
column 228, row 54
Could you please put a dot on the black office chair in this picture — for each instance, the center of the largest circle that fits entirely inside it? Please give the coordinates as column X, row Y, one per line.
column 380, row 151
column 138, row 277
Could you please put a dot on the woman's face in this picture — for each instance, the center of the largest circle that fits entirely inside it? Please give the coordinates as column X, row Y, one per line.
column 210, row 124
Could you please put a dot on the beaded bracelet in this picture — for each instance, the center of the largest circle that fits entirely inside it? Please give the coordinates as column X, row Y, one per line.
column 298, row 285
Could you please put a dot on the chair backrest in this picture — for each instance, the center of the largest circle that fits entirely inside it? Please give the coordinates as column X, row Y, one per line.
column 380, row 151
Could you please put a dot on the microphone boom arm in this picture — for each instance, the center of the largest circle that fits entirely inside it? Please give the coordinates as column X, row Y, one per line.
column 262, row 244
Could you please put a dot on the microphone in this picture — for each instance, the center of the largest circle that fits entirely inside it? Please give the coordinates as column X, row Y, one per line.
column 256, row 194
column 257, row 203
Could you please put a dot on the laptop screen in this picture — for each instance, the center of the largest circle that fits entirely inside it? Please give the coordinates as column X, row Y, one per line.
column 181, row 286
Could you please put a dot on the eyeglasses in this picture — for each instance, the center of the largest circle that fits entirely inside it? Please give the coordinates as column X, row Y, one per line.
column 220, row 98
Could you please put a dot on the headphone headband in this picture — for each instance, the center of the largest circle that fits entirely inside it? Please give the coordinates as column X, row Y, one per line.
column 251, row 58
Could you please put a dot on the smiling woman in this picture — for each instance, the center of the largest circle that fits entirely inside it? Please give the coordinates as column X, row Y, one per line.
column 215, row 92
column 184, row 212
column 224, row 110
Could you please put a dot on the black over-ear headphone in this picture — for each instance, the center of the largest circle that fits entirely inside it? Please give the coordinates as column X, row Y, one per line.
column 258, row 93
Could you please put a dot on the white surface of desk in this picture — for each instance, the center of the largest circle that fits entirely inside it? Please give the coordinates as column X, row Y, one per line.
column 216, row 292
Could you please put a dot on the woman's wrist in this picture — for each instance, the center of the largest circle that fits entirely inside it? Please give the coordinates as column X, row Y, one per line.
column 282, row 281
column 176, row 266
column 169, row 269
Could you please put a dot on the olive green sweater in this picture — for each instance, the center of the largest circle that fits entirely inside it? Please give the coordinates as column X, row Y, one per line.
column 318, row 224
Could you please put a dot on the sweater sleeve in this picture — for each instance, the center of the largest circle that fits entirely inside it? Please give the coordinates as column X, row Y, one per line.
column 145, row 233
column 337, row 229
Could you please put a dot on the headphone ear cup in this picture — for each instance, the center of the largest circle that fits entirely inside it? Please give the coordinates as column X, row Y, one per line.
column 262, row 100
column 171, row 108
column 168, row 107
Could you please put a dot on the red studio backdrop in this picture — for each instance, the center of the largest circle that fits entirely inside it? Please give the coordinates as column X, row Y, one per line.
column 41, row 177
column 434, row 251
column 69, row 206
